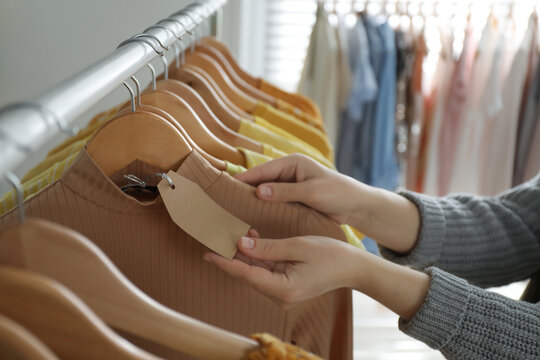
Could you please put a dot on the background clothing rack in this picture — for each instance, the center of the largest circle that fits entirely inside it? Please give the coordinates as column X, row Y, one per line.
column 26, row 128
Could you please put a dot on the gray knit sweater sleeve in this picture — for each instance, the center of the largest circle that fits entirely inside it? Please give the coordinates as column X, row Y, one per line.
column 488, row 241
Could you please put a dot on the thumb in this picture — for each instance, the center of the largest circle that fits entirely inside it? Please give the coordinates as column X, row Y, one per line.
column 283, row 192
column 272, row 249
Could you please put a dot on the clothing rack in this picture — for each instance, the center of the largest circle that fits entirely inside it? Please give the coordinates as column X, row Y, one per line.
column 27, row 126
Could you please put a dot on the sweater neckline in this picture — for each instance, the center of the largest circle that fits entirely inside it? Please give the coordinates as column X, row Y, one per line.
column 86, row 179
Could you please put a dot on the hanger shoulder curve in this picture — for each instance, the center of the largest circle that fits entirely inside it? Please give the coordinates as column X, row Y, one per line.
column 237, row 80
column 214, row 124
column 141, row 136
column 212, row 41
column 51, row 311
column 220, row 105
column 18, row 343
column 67, row 257
column 215, row 162
column 212, row 68
column 180, row 110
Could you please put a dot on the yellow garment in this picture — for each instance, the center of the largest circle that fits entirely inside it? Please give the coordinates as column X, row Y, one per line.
column 299, row 114
column 59, row 156
column 297, row 100
column 296, row 127
column 271, row 348
column 354, row 237
column 233, row 169
column 253, row 158
column 37, row 183
column 272, row 152
column 284, row 141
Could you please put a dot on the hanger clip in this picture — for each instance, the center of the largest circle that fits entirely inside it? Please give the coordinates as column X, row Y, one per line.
column 135, row 183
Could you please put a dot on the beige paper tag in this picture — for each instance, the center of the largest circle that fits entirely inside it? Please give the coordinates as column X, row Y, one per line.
column 198, row 215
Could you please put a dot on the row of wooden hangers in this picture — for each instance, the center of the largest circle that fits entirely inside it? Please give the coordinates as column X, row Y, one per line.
column 60, row 292
column 199, row 104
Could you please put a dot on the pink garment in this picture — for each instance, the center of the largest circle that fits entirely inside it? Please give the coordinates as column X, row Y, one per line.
column 499, row 162
column 441, row 86
column 455, row 104
column 485, row 68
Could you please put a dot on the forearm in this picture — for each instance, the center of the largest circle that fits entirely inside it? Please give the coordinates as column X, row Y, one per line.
column 399, row 288
column 390, row 219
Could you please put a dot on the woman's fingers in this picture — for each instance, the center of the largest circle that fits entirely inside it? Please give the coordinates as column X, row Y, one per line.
column 292, row 168
column 291, row 249
column 264, row 280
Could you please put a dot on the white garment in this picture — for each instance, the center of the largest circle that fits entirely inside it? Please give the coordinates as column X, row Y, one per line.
column 466, row 170
column 320, row 76
column 441, row 82
column 499, row 162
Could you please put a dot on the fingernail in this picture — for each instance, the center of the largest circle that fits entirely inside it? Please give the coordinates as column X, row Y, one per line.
column 266, row 191
column 207, row 257
column 248, row 243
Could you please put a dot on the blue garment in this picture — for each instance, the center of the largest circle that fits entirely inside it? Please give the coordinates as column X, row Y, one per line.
column 384, row 171
column 363, row 90
column 366, row 146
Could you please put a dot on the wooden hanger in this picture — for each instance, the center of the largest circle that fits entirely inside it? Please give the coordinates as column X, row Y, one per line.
column 212, row 68
column 18, row 343
column 71, row 259
column 60, row 319
column 213, row 42
column 224, row 109
column 215, row 162
column 235, row 78
column 235, row 108
column 207, row 116
column 138, row 135
column 182, row 112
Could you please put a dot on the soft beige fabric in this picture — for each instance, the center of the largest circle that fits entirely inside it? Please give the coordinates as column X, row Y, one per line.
column 166, row 263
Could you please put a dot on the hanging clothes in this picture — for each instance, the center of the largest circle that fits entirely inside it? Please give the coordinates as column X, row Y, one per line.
column 465, row 169
column 499, row 163
column 320, row 75
column 164, row 262
column 364, row 89
column 454, row 111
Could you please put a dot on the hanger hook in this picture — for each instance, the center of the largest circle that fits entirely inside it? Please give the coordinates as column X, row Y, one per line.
column 157, row 26
column 132, row 96
column 152, row 37
column 187, row 13
column 176, row 55
column 153, row 71
column 178, row 22
column 19, row 193
column 166, row 68
column 138, row 87
column 62, row 125
column 141, row 39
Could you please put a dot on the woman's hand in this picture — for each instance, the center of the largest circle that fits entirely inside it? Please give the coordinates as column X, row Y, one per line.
column 297, row 269
column 388, row 218
column 297, row 178
column 291, row 270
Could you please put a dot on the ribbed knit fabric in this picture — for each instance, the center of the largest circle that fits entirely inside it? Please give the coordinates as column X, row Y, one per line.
column 166, row 263
column 489, row 241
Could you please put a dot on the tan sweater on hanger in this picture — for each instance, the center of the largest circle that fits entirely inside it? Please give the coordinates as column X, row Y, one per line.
column 166, row 263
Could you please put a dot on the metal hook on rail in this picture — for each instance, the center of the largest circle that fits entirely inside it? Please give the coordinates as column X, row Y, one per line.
column 141, row 39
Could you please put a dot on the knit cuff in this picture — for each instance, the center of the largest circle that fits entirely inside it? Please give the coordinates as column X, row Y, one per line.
column 430, row 238
column 441, row 315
